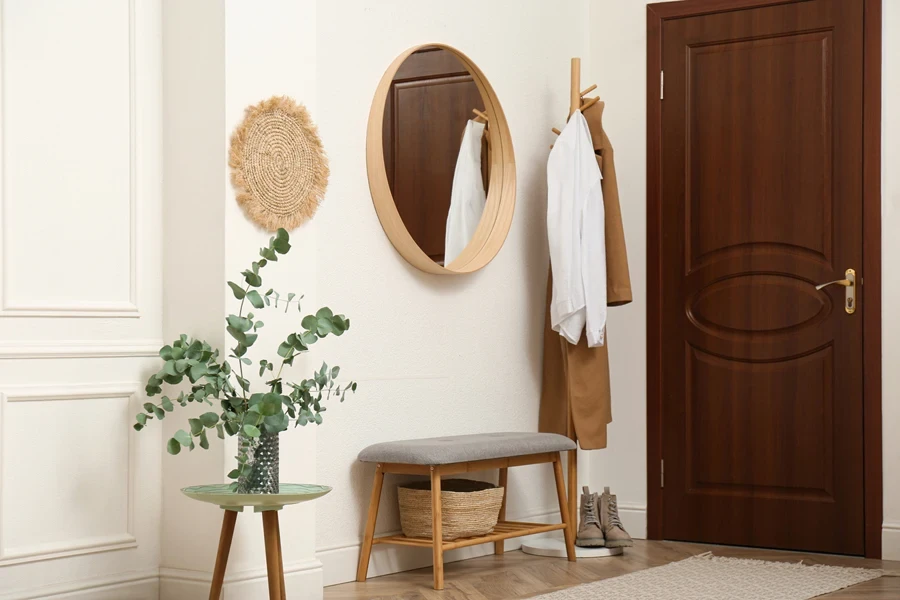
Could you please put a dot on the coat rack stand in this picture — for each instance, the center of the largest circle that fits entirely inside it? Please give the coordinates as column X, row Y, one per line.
column 549, row 546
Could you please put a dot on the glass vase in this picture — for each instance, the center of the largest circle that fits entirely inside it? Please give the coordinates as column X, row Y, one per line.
column 262, row 456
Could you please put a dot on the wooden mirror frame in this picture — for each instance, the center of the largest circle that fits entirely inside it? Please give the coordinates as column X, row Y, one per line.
column 501, row 198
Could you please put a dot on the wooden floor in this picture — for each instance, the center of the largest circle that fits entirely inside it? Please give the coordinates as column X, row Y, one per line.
column 517, row 575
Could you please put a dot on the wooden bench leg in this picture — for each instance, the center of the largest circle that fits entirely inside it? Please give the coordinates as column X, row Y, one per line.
column 499, row 547
column 437, row 537
column 228, row 521
column 366, row 551
column 568, row 532
column 572, row 468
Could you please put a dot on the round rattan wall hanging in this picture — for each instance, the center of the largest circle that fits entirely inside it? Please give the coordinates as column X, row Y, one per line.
column 278, row 166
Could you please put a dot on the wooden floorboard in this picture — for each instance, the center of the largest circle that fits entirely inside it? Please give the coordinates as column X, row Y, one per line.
column 516, row 575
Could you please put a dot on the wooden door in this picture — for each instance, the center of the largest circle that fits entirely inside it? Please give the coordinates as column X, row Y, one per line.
column 427, row 108
column 761, row 199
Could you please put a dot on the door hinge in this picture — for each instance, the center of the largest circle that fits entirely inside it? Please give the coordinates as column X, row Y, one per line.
column 662, row 473
column 662, row 85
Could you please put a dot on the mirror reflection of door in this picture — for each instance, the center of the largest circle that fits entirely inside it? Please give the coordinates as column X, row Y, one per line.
column 429, row 104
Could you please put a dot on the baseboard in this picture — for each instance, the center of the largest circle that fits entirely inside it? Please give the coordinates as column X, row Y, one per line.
column 135, row 585
column 302, row 579
column 890, row 541
column 634, row 519
column 339, row 562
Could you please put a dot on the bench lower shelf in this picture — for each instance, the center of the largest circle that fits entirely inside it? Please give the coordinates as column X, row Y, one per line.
column 504, row 530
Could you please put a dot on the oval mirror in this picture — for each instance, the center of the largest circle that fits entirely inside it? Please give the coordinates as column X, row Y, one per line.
column 440, row 161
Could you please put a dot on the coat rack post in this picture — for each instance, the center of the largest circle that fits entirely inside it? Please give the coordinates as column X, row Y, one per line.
column 572, row 467
column 575, row 87
column 552, row 546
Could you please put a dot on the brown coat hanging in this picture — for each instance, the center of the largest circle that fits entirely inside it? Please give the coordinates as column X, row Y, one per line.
column 575, row 395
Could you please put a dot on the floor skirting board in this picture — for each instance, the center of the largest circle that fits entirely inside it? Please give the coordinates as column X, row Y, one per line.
column 134, row 585
column 303, row 580
column 890, row 541
column 339, row 563
column 634, row 519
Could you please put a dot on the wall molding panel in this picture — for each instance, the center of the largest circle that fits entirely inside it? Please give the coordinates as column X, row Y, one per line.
column 13, row 305
column 84, row 544
column 81, row 349
column 135, row 585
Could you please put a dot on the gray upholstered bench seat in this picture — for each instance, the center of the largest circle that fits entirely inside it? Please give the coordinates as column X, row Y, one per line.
column 465, row 448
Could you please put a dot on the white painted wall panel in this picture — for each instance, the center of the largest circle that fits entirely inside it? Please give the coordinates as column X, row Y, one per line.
column 68, row 490
column 67, row 155
column 81, row 200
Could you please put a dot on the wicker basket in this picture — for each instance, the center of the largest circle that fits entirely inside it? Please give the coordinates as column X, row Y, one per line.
column 469, row 508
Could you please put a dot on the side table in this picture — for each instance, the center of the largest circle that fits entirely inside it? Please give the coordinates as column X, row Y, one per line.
column 269, row 505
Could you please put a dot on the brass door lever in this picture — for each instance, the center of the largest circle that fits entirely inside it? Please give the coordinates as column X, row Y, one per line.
column 843, row 282
column 849, row 290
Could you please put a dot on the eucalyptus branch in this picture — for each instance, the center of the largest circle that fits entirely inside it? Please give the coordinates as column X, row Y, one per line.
column 253, row 415
column 240, row 363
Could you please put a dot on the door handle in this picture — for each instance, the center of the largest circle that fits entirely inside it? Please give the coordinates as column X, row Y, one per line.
column 849, row 290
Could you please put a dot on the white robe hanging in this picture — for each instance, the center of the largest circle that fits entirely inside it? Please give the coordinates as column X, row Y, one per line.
column 576, row 234
column 467, row 197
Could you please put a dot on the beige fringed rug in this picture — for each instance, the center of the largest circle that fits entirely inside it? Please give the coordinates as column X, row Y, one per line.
column 708, row 577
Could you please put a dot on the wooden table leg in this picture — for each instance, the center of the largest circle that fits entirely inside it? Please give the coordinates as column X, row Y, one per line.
column 437, row 537
column 274, row 567
column 564, row 507
column 280, row 559
column 499, row 547
column 228, row 521
column 362, row 570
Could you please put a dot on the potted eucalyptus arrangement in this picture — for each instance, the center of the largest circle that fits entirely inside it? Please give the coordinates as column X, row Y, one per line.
column 256, row 417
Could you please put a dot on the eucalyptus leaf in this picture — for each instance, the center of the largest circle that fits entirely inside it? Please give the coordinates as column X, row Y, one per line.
column 255, row 299
column 173, row 446
column 196, row 426
column 183, row 437
column 251, row 430
column 324, row 327
column 238, row 291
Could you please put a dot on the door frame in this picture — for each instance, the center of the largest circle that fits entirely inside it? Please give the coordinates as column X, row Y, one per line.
column 871, row 267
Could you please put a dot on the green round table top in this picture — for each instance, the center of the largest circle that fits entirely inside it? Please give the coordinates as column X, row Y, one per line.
column 289, row 493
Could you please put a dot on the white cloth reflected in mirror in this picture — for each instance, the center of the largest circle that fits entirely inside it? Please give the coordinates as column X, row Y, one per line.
column 467, row 196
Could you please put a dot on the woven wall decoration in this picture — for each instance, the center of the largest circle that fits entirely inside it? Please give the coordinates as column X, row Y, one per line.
column 278, row 165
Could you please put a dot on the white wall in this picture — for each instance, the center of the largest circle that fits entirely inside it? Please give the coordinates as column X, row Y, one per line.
column 80, row 308
column 890, row 193
column 618, row 66
column 221, row 57
column 193, row 299
column 433, row 355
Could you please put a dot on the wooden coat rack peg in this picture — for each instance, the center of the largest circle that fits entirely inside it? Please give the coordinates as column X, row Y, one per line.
column 553, row 546
column 576, row 94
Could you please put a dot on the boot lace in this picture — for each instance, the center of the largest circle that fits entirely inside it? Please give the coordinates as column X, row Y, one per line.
column 589, row 511
column 612, row 513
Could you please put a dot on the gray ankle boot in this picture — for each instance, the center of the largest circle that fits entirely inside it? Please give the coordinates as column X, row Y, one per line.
column 613, row 531
column 590, row 531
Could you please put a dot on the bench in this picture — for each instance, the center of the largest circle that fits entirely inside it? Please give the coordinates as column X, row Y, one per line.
column 453, row 455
